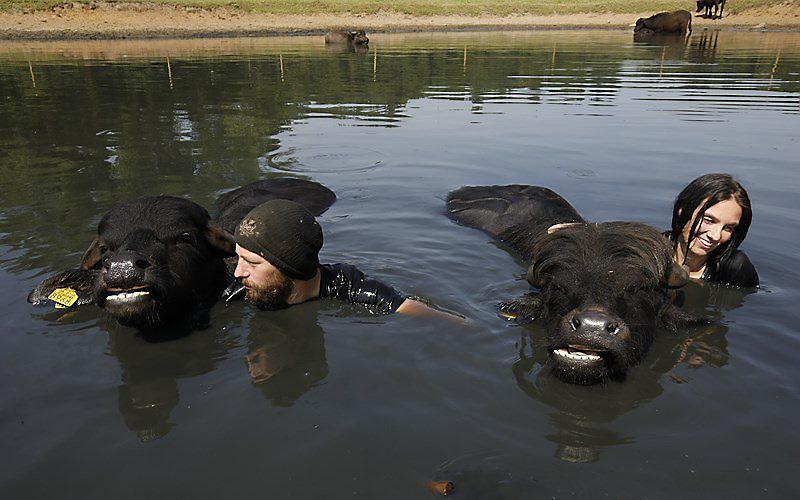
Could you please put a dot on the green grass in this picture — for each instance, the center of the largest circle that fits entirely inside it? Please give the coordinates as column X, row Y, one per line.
column 423, row 7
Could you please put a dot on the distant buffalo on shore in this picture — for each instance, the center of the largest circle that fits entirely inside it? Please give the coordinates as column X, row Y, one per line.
column 717, row 5
column 679, row 21
column 346, row 37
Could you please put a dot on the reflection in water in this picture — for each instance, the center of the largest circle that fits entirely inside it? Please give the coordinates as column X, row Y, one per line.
column 151, row 368
column 285, row 358
column 285, row 354
column 674, row 42
column 346, row 48
column 704, row 47
column 146, row 406
column 706, row 346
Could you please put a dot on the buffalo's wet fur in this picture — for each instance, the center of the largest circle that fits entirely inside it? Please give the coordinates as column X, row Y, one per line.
column 601, row 288
column 231, row 207
column 624, row 254
column 159, row 258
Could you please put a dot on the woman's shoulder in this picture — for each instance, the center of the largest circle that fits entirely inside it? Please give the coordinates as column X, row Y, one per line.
column 736, row 270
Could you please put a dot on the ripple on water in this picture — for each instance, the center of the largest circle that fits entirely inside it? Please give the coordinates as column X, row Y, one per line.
column 325, row 159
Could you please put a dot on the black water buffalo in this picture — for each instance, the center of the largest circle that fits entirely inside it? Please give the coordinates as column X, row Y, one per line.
column 159, row 258
column 347, row 37
column 708, row 5
column 679, row 21
column 602, row 288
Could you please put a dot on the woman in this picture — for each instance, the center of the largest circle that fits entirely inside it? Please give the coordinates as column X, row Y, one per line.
column 710, row 220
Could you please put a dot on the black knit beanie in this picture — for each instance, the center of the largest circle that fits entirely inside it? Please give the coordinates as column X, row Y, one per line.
column 285, row 234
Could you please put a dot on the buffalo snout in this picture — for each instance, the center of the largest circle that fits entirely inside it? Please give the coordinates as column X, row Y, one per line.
column 589, row 345
column 594, row 323
column 126, row 270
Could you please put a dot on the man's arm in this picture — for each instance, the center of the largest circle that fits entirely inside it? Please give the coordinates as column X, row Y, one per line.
column 416, row 308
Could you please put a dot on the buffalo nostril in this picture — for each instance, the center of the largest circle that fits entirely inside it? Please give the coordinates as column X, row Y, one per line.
column 575, row 322
column 612, row 328
column 142, row 263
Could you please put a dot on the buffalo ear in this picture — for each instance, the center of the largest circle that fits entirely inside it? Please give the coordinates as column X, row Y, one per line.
column 677, row 276
column 532, row 277
column 220, row 239
column 81, row 281
column 92, row 255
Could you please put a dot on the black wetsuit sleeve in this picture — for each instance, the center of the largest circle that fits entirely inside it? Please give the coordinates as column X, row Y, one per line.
column 737, row 270
column 346, row 282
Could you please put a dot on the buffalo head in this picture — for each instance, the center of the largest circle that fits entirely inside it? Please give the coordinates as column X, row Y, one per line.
column 359, row 37
column 153, row 258
column 603, row 293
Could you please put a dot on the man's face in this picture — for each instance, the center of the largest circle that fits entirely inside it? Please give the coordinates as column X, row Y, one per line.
column 267, row 287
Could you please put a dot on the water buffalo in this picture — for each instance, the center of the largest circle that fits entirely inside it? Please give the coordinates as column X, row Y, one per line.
column 347, row 37
column 708, row 4
column 679, row 21
column 159, row 258
column 601, row 288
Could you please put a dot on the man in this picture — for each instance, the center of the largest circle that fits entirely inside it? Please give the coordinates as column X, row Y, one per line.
column 278, row 246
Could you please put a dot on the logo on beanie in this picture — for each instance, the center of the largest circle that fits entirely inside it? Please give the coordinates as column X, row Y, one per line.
column 247, row 227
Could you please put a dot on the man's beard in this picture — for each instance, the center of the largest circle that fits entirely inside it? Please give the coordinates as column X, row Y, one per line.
column 272, row 295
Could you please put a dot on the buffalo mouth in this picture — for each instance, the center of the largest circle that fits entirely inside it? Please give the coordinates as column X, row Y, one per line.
column 581, row 364
column 579, row 355
column 127, row 296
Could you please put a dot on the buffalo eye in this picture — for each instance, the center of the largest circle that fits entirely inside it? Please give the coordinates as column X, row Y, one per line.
column 185, row 238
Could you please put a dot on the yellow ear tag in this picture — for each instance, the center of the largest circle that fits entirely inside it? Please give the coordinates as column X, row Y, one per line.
column 63, row 297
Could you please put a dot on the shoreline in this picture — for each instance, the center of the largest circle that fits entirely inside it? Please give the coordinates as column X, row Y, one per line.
column 79, row 22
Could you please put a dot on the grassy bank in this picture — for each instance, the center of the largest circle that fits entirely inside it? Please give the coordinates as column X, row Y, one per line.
column 410, row 7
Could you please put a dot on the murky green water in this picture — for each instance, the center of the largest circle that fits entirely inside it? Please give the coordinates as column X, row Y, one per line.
column 372, row 407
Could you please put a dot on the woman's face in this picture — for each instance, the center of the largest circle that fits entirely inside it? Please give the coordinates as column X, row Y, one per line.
column 715, row 229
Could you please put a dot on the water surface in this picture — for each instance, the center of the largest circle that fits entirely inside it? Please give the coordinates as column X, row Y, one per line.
column 360, row 406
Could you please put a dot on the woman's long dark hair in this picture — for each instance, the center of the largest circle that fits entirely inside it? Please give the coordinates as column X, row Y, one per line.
column 705, row 192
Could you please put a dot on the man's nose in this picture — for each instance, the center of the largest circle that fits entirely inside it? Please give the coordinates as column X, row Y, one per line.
column 240, row 271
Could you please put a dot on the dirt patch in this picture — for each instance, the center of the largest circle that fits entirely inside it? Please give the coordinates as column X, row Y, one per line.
column 101, row 20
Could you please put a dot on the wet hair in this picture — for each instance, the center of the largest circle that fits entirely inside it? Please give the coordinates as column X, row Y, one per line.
column 705, row 192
